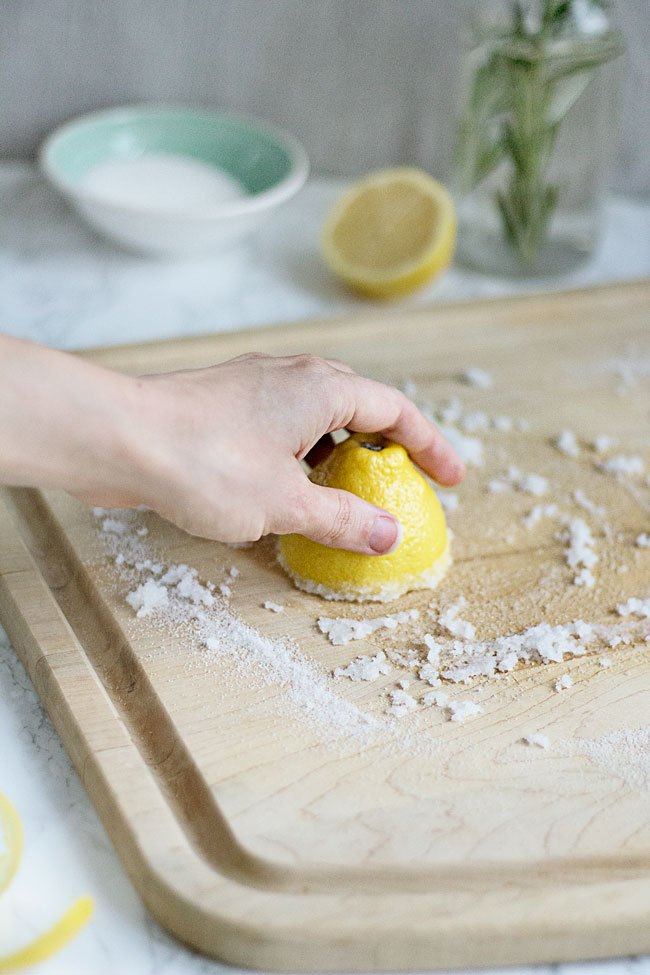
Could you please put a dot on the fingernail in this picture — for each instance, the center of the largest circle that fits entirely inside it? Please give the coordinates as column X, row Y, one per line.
column 386, row 535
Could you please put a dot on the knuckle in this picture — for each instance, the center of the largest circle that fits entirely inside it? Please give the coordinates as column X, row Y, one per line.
column 310, row 363
column 342, row 522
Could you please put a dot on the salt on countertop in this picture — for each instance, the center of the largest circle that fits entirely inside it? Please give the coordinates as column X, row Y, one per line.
column 341, row 630
column 567, row 444
column 365, row 668
column 480, row 378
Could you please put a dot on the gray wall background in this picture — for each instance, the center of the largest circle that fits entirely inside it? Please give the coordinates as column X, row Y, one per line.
column 361, row 83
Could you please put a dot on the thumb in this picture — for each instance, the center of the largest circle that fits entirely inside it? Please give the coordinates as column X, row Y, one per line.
column 340, row 519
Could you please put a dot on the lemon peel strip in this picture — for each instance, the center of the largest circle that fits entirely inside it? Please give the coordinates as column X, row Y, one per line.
column 12, row 830
column 53, row 940
column 65, row 928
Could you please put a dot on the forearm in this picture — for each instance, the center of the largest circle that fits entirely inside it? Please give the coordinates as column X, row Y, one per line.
column 64, row 423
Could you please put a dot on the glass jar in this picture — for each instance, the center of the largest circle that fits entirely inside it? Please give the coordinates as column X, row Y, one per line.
column 535, row 136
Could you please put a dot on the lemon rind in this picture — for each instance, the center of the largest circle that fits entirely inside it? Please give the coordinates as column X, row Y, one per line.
column 428, row 579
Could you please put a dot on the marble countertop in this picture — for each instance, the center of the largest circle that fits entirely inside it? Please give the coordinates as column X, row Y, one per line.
column 62, row 285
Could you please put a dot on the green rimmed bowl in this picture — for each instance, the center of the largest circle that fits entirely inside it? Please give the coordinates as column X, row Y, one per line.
column 270, row 165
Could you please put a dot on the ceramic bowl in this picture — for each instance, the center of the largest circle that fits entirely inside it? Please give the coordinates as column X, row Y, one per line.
column 270, row 165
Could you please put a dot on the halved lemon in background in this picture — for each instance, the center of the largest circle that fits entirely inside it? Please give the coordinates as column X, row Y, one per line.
column 380, row 472
column 391, row 232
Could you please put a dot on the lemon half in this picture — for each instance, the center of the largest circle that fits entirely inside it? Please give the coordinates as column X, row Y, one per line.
column 391, row 232
column 382, row 473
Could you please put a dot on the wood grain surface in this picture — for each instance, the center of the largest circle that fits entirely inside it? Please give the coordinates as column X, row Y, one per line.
column 260, row 837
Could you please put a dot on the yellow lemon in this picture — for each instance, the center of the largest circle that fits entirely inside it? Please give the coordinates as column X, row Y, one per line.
column 391, row 232
column 382, row 473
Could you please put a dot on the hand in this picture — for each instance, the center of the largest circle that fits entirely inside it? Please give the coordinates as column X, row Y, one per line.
column 217, row 450
column 225, row 449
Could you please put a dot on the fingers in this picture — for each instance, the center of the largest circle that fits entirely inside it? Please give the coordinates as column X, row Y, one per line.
column 340, row 519
column 377, row 408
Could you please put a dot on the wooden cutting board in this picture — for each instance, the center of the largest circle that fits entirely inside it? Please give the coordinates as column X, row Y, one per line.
column 265, row 836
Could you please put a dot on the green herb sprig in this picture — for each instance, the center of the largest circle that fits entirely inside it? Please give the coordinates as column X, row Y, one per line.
column 520, row 94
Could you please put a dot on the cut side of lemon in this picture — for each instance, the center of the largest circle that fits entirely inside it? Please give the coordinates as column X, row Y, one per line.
column 390, row 233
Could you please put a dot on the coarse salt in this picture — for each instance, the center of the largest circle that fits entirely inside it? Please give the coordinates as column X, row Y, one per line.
column 533, row 484
column 475, row 422
column 585, row 578
column 602, row 443
column 567, row 444
column 583, row 501
column 340, row 630
column 429, row 673
column 365, row 668
column 635, row 607
column 563, row 683
column 642, row 540
column 580, row 552
column 449, row 620
column 433, row 649
column 400, row 703
column 148, row 597
column 623, row 466
column 480, row 378
column 503, row 424
column 449, row 501
column 273, row 607
column 461, row 710
column 469, row 449
column 540, row 511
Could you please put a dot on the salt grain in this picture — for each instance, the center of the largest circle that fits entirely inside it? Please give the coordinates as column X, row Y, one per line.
column 461, row 710
column 567, row 444
column 603, row 443
column 503, row 424
column 148, row 597
column 365, row 668
column 623, row 466
column 580, row 553
column 480, row 378
column 635, row 607
column 429, row 674
column 273, row 607
column 563, row 683
column 449, row 501
column 540, row 511
column 449, row 620
column 469, row 449
column 341, row 630
column 642, row 540
column 583, row 501
column 400, row 703
column 533, row 484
